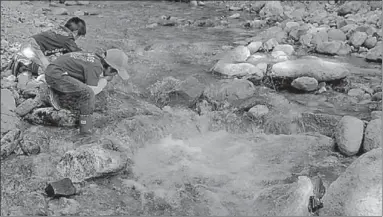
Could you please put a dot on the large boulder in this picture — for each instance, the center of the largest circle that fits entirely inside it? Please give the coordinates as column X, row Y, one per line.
column 373, row 135
column 51, row 117
column 91, row 161
column 349, row 135
column 358, row 191
column 229, row 91
column 317, row 68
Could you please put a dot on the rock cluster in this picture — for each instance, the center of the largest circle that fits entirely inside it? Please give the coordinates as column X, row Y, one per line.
column 332, row 29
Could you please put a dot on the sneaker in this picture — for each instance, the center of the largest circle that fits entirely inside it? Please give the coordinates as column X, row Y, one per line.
column 53, row 99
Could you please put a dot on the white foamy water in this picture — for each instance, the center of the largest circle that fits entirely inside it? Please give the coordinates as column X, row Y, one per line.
column 228, row 171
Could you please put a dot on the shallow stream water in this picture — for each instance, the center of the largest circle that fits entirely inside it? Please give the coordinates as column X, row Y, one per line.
column 229, row 170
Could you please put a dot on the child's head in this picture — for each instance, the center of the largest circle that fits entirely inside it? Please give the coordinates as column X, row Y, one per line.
column 76, row 24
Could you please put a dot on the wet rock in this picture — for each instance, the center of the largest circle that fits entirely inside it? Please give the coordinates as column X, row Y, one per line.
column 358, row 191
column 349, row 27
column 187, row 91
column 324, row 124
column 257, row 58
column 319, row 37
column 286, row 48
column 60, row 11
column 275, row 32
column 228, row 91
column 336, row 35
column 305, row 83
column 238, row 54
column 373, row 135
column 349, row 7
column 358, row 38
column 349, row 135
column 287, row 199
column 254, row 46
column 270, row 44
column 377, row 96
column 255, row 23
column 279, row 56
column 64, row 207
column 91, row 161
column 272, row 8
column 356, row 92
column 61, row 188
column 375, row 54
column 330, row 48
column 376, row 115
column 78, row 13
column 316, row 68
column 233, row 8
column 51, row 117
column 259, row 111
column 290, row 25
column 27, row 106
column 235, row 16
column 370, row 42
column 9, row 143
column 240, row 69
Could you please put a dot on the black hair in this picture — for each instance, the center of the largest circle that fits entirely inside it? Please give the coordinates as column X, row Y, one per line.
column 77, row 20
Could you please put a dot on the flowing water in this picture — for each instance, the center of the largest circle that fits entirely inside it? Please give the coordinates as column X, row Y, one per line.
column 220, row 173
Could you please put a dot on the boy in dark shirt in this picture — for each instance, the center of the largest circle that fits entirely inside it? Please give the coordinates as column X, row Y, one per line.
column 58, row 40
column 82, row 75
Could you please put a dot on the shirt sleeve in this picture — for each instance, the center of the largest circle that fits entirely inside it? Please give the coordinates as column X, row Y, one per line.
column 92, row 75
column 71, row 46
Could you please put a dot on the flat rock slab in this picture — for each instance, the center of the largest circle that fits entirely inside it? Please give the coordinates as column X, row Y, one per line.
column 316, row 68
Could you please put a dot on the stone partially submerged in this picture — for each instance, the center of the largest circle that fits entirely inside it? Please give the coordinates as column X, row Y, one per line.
column 228, row 91
column 319, row 69
column 285, row 200
column 239, row 70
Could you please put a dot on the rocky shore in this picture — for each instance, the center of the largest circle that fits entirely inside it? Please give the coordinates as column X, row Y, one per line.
column 236, row 146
